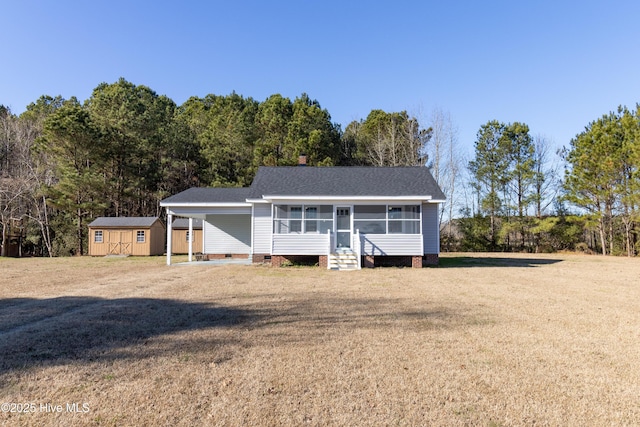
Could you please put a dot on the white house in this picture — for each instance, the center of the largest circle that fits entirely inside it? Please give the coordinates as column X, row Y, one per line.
column 344, row 217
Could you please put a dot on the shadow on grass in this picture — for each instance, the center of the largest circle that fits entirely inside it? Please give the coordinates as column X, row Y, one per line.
column 470, row 261
column 66, row 329
column 69, row 330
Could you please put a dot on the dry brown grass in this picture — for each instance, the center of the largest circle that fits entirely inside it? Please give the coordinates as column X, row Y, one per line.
column 482, row 340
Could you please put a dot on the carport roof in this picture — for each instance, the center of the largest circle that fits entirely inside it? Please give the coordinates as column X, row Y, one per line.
column 210, row 195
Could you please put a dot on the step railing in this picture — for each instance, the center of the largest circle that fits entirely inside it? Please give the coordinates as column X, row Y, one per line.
column 330, row 245
column 356, row 246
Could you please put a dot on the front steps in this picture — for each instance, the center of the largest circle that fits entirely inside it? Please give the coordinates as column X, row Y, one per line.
column 343, row 259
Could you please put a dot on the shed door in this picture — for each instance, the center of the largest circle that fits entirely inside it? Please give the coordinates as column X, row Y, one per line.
column 114, row 242
column 120, row 242
column 126, row 240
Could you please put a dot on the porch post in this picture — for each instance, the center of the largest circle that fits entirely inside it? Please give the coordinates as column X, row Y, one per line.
column 190, row 239
column 169, row 247
column 358, row 247
column 329, row 249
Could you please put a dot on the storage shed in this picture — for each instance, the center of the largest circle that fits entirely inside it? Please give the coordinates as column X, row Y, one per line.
column 180, row 236
column 126, row 236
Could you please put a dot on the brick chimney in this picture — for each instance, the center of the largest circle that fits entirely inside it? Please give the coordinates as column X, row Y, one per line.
column 302, row 159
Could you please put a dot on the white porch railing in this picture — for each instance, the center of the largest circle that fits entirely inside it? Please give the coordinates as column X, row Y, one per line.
column 356, row 247
column 331, row 237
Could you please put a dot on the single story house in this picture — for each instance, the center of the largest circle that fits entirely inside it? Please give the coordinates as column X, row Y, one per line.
column 126, row 236
column 343, row 217
column 180, row 236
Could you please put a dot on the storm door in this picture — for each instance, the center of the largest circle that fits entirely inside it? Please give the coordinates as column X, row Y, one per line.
column 343, row 227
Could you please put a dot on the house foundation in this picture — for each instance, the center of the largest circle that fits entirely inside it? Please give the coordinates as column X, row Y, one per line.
column 323, row 261
column 211, row 257
column 430, row 259
column 307, row 260
column 368, row 261
column 416, row 262
column 260, row 258
column 371, row 261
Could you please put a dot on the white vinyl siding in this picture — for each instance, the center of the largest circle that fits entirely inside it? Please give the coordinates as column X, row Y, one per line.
column 391, row 244
column 262, row 228
column 430, row 228
column 300, row 244
column 227, row 234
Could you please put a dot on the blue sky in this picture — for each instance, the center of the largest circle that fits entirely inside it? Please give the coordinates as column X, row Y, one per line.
column 555, row 65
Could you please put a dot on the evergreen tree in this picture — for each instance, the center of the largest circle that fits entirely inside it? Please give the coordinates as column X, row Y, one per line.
column 489, row 169
column 592, row 180
column 70, row 139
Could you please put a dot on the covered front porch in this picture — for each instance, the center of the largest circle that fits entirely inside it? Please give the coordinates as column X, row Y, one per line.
column 347, row 234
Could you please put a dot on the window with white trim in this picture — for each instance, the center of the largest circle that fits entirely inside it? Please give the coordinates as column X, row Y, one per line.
column 97, row 236
column 387, row 219
column 295, row 219
column 404, row 219
column 302, row 219
column 370, row 219
column 140, row 236
column 311, row 219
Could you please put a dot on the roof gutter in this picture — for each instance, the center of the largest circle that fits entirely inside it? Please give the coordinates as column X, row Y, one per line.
column 206, row 205
column 348, row 198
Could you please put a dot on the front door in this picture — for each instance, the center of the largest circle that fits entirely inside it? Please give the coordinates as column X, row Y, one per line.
column 343, row 227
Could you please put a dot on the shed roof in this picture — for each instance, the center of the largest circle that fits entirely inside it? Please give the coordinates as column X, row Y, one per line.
column 124, row 221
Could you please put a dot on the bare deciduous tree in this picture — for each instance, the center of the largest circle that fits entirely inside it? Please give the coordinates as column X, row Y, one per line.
column 546, row 179
column 15, row 185
column 388, row 139
column 446, row 163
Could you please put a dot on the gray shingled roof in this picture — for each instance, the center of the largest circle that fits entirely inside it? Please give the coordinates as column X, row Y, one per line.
column 124, row 221
column 346, row 181
column 180, row 223
column 321, row 181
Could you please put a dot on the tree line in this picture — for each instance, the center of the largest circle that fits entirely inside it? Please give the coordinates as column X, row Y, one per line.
column 523, row 203
column 64, row 162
